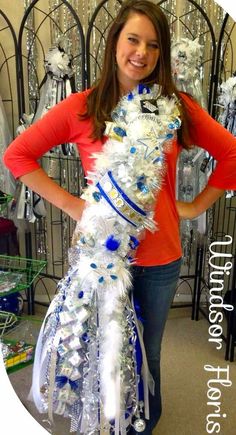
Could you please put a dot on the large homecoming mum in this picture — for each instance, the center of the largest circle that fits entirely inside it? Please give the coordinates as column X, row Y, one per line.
column 94, row 361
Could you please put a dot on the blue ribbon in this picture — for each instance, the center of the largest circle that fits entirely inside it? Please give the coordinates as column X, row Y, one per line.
column 134, row 243
column 62, row 381
column 142, row 87
column 138, row 351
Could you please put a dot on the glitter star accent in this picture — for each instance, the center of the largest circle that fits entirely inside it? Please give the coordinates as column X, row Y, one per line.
column 153, row 144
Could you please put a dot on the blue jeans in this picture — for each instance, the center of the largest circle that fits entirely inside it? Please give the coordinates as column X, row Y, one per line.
column 154, row 288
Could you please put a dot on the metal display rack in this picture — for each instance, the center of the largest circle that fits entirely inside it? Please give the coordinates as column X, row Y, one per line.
column 223, row 212
column 26, row 268
column 9, row 56
column 4, row 201
column 17, row 274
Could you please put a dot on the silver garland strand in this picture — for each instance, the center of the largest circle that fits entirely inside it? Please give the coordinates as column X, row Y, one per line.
column 227, row 112
column 54, row 9
column 32, row 59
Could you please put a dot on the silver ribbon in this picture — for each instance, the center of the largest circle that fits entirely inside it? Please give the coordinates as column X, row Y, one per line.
column 148, row 381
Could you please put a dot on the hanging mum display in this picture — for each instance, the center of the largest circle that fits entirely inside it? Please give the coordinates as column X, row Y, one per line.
column 186, row 60
column 87, row 364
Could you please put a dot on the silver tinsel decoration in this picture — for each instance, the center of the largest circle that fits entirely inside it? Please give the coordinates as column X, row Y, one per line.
column 32, row 59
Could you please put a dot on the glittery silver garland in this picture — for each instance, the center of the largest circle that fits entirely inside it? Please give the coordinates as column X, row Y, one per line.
column 170, row 8
column 100, row 29
column 7, row 185
column 42, row 247
column 5, row 349
column 32, row 59
column 54, row 10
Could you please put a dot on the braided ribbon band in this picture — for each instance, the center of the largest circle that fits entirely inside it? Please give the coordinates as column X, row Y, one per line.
column 119, row 201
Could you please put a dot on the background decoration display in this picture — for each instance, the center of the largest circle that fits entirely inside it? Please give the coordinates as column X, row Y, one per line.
column 227, row 115
column 192, row 173
column 186, row 55
column 227, row 101
column 7, row 183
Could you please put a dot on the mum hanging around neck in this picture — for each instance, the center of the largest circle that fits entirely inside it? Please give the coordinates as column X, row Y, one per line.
column 126, row 257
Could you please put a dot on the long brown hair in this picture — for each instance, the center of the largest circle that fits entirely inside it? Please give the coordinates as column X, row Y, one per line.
column 106, row 93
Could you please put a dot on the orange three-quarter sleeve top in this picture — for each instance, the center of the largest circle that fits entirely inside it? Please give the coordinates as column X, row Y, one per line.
column 62, row 124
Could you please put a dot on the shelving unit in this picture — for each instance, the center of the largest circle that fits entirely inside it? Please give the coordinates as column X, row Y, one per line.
column 23, row 270
column 17, row 274
column 4, row 201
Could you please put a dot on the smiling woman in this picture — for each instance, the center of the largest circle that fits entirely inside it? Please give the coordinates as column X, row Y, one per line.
column 137, row 51
column 91, row 348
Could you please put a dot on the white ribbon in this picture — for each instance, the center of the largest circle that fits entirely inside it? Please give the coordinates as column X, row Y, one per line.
column 41, row 360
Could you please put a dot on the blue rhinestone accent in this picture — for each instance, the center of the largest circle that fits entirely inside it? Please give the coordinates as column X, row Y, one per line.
column 119, row 131
column 143, row 89
column 133, row 242
column 142, row 178
column 85, row 337
column 158, row 159
column 93, row 266
column 141, row 186
column 97, row 196
column 110, row 266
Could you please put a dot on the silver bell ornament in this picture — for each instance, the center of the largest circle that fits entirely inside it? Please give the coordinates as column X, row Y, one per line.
column 139, row 425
